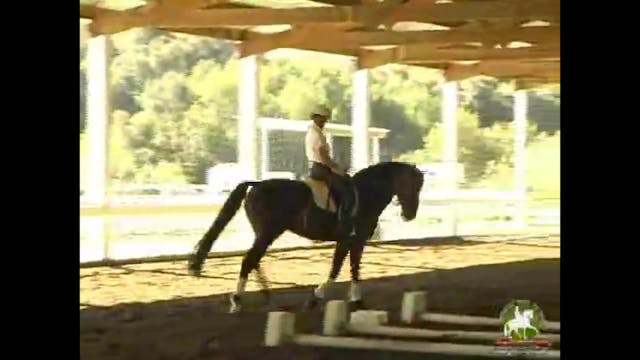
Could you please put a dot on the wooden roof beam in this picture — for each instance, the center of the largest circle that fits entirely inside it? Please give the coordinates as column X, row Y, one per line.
column 529, row 83
column 500, row 69
column 230, row 34
column 192, row 4
column 345, row 2
column 419, row 53
column 90, row 11
column 170, row 17
column 308, row 36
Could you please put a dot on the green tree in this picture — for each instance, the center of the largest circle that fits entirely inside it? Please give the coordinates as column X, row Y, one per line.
column 489, row 103
column 175, row 104
column 121, row 159
column 479, row 150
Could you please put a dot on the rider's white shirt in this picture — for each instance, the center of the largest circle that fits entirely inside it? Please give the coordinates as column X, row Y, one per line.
column 314, row 141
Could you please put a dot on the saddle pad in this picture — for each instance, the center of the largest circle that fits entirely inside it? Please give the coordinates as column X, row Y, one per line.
column 320, row 192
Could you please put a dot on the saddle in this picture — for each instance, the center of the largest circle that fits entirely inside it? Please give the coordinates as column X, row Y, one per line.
column 322, row 195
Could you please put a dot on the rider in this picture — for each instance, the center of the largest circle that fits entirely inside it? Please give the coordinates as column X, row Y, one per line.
column 323, row 168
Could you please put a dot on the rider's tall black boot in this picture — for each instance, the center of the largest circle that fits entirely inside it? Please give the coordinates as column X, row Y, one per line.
column 345, row 221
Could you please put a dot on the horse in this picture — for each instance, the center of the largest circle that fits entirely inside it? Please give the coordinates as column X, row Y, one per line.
column 274, row 206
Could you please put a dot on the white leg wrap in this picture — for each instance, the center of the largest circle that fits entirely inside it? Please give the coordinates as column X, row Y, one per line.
column 321, row 290
column 235, row 306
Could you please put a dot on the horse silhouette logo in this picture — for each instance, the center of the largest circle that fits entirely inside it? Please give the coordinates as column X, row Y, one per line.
column 522, row 320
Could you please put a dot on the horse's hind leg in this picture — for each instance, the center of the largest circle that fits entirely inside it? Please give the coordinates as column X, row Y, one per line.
column 249, row 263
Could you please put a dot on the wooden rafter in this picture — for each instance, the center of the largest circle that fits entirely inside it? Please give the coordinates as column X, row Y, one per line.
column 304, row 37
column 497, row 68
column 355, row 27
column 171, row 17
column 192, row 4
column 425, row 53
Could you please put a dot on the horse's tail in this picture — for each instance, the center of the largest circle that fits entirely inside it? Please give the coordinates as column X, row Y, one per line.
column 228, row 211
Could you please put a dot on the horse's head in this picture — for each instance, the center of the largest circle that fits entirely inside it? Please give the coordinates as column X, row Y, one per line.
column 527, row 314
column 407, row 184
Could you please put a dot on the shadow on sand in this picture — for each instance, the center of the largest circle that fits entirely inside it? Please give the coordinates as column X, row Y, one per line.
column 199, row 327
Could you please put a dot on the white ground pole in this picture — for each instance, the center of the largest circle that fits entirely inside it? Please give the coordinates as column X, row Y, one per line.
column 374, row 322
column 248, row 102
column 450, row 146
column 414, row 310
column 360, row 118
column 340, row 328
column 97, row 129
column 520, row 104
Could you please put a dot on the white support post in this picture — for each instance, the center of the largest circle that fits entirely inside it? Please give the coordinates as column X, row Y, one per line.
column 98, row 109
column 248, row 100
column 520, row 104
column 264, row 153
column 375, row 150
column 450, row 145
column 360, row 118
column 98, row 112
column 336, row 318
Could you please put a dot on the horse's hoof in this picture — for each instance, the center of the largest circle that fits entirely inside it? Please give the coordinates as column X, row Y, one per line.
column 194, row 270
column 356, row 305
column 236, row 304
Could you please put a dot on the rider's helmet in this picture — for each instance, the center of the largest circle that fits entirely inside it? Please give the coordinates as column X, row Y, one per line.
column 321, row 110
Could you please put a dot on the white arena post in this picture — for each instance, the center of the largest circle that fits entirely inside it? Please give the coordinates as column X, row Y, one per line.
column 336, row 316
column 248, row 102
column 360, row 118
column 264, row 152
column 329, row 138
column 97, row 129
column 450, row 145
column 414, row 303
column 520, row 104
column 280, row 328
column 375, row 150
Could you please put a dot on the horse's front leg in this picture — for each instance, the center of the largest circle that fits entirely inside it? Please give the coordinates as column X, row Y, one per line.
column 339, row 254
column 355, row 257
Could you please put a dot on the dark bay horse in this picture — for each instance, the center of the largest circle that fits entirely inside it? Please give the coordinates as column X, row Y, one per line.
column 276, row 205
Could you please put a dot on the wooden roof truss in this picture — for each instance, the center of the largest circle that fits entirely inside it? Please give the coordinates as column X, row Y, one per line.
column 517, row 39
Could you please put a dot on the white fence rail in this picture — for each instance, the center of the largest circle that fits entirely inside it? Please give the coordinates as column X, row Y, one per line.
column 152, row 225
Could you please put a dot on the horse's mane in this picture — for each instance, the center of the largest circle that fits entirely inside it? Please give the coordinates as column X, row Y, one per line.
column 381, row 169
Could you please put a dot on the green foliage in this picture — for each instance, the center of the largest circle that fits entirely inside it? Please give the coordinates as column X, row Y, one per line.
column 489, row 103
column 121, row 158
column 543, row 168
column 407, row 102
column 174, row 101
column 479, row 149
